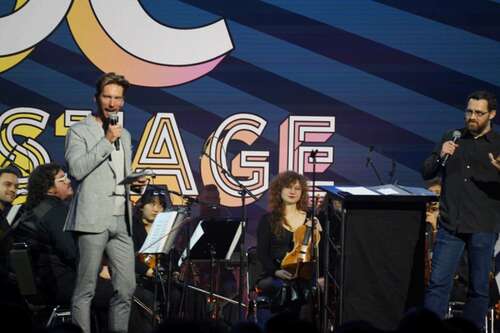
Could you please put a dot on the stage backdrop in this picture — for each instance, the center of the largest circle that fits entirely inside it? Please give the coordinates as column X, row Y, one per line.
column 255, row 84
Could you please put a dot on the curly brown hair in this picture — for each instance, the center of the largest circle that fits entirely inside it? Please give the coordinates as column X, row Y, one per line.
column 276, row 204
column 39, row 182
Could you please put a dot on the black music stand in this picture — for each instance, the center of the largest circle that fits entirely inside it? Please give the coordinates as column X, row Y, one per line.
column 214, row 240
column 377, row 249
column 221, row 235
column 160, row 241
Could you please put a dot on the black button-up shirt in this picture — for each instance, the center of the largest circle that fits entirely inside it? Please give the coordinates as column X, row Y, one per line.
column 470, row 195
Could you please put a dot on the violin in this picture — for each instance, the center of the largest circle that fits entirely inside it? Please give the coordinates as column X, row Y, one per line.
column 148, row 259
column 298, row 260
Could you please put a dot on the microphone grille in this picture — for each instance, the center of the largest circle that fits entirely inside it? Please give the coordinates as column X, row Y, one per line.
column 113, row 118
column 456, row 134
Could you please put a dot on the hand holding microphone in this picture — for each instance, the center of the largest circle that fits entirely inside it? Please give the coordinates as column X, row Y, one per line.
column 114, row 131
column 449, row 148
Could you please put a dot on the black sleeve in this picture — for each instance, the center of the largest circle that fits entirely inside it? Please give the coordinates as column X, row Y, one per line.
column 139, row 236
column 6, row 237
column 264, row 245
column 431, row 166
column 62, row 243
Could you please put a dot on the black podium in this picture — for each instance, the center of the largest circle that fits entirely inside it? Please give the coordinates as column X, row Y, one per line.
column 376, row 253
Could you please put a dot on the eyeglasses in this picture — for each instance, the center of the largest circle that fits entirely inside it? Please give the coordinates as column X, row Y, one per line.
column 156, row 193
column 62, row 179
column 476, row 113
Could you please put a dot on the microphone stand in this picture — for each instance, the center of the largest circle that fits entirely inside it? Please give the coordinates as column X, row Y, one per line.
column 8, row 160
column 369, row 162
column 244, row 191
column 392, row 173
column 314, row 258
column 189, row 203
column 187, row 210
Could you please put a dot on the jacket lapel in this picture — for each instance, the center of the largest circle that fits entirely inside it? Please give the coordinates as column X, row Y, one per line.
column 98, row 133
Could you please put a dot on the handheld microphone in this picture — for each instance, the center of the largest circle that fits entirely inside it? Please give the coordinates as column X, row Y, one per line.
column 456, row 137
column 113, row 120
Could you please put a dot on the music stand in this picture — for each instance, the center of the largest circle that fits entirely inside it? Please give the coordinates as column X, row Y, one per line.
column 161, row 240
column 213, row 240
column 220, row 234
column 133, row 176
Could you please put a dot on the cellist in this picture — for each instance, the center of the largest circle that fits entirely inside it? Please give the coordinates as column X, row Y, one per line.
column 288, row 212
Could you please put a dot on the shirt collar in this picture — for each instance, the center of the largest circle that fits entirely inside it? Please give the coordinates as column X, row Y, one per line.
column 490, row 136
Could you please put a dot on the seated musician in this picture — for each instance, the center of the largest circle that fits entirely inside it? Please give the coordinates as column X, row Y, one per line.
column 431, row 217
column 151, row 203
column 54, row 251
column 275, row 233
column 8, row 188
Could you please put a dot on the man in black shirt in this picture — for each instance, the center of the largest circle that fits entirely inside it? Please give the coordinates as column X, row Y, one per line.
column 8, row 189
column 469, row 215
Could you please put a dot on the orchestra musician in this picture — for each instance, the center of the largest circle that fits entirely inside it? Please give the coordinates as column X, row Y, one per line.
column 153, row 201
column 8, row 188
column 275, row 238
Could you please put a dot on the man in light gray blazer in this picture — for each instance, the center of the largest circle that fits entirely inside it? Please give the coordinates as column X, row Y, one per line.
column 98, row 153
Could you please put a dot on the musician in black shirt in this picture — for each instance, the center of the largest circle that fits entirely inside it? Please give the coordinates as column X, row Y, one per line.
column 8, row 189
column 55, row 252
column 288, row 212
column 469, row 215
column 153, row 202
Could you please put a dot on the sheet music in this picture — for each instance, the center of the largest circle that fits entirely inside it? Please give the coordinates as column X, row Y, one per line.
column 233, row 243
column 357, row 190
column 195, row 237
column 159, row 233
column 387, row 191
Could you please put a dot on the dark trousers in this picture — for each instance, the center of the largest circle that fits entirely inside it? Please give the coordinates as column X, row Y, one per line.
column 448, row 250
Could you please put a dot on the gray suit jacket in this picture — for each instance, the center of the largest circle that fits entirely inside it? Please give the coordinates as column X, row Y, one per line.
column 87, row 153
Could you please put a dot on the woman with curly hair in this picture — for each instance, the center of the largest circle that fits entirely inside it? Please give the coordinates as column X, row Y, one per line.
column 288, row 211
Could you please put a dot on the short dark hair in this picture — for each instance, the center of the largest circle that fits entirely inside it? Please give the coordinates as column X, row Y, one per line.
column 39, row 182
column 10, row 170
column 111, row 78
column 152, row 193
column 210, row 188
column 486, row 95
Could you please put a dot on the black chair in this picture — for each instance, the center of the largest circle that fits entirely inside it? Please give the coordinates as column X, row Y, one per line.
column 257, row 301
column 21, row 262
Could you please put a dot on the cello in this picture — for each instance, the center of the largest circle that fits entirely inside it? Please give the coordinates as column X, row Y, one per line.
column 298, row 260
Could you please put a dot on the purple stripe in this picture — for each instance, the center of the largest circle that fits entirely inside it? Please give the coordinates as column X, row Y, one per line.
column 480, row 17
column 419, row 75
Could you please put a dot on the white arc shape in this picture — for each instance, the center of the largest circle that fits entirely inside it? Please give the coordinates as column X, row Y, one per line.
column 137, row 33
column 31, row 24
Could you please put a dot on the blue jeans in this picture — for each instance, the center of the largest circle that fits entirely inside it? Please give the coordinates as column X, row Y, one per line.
column 448, row 250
